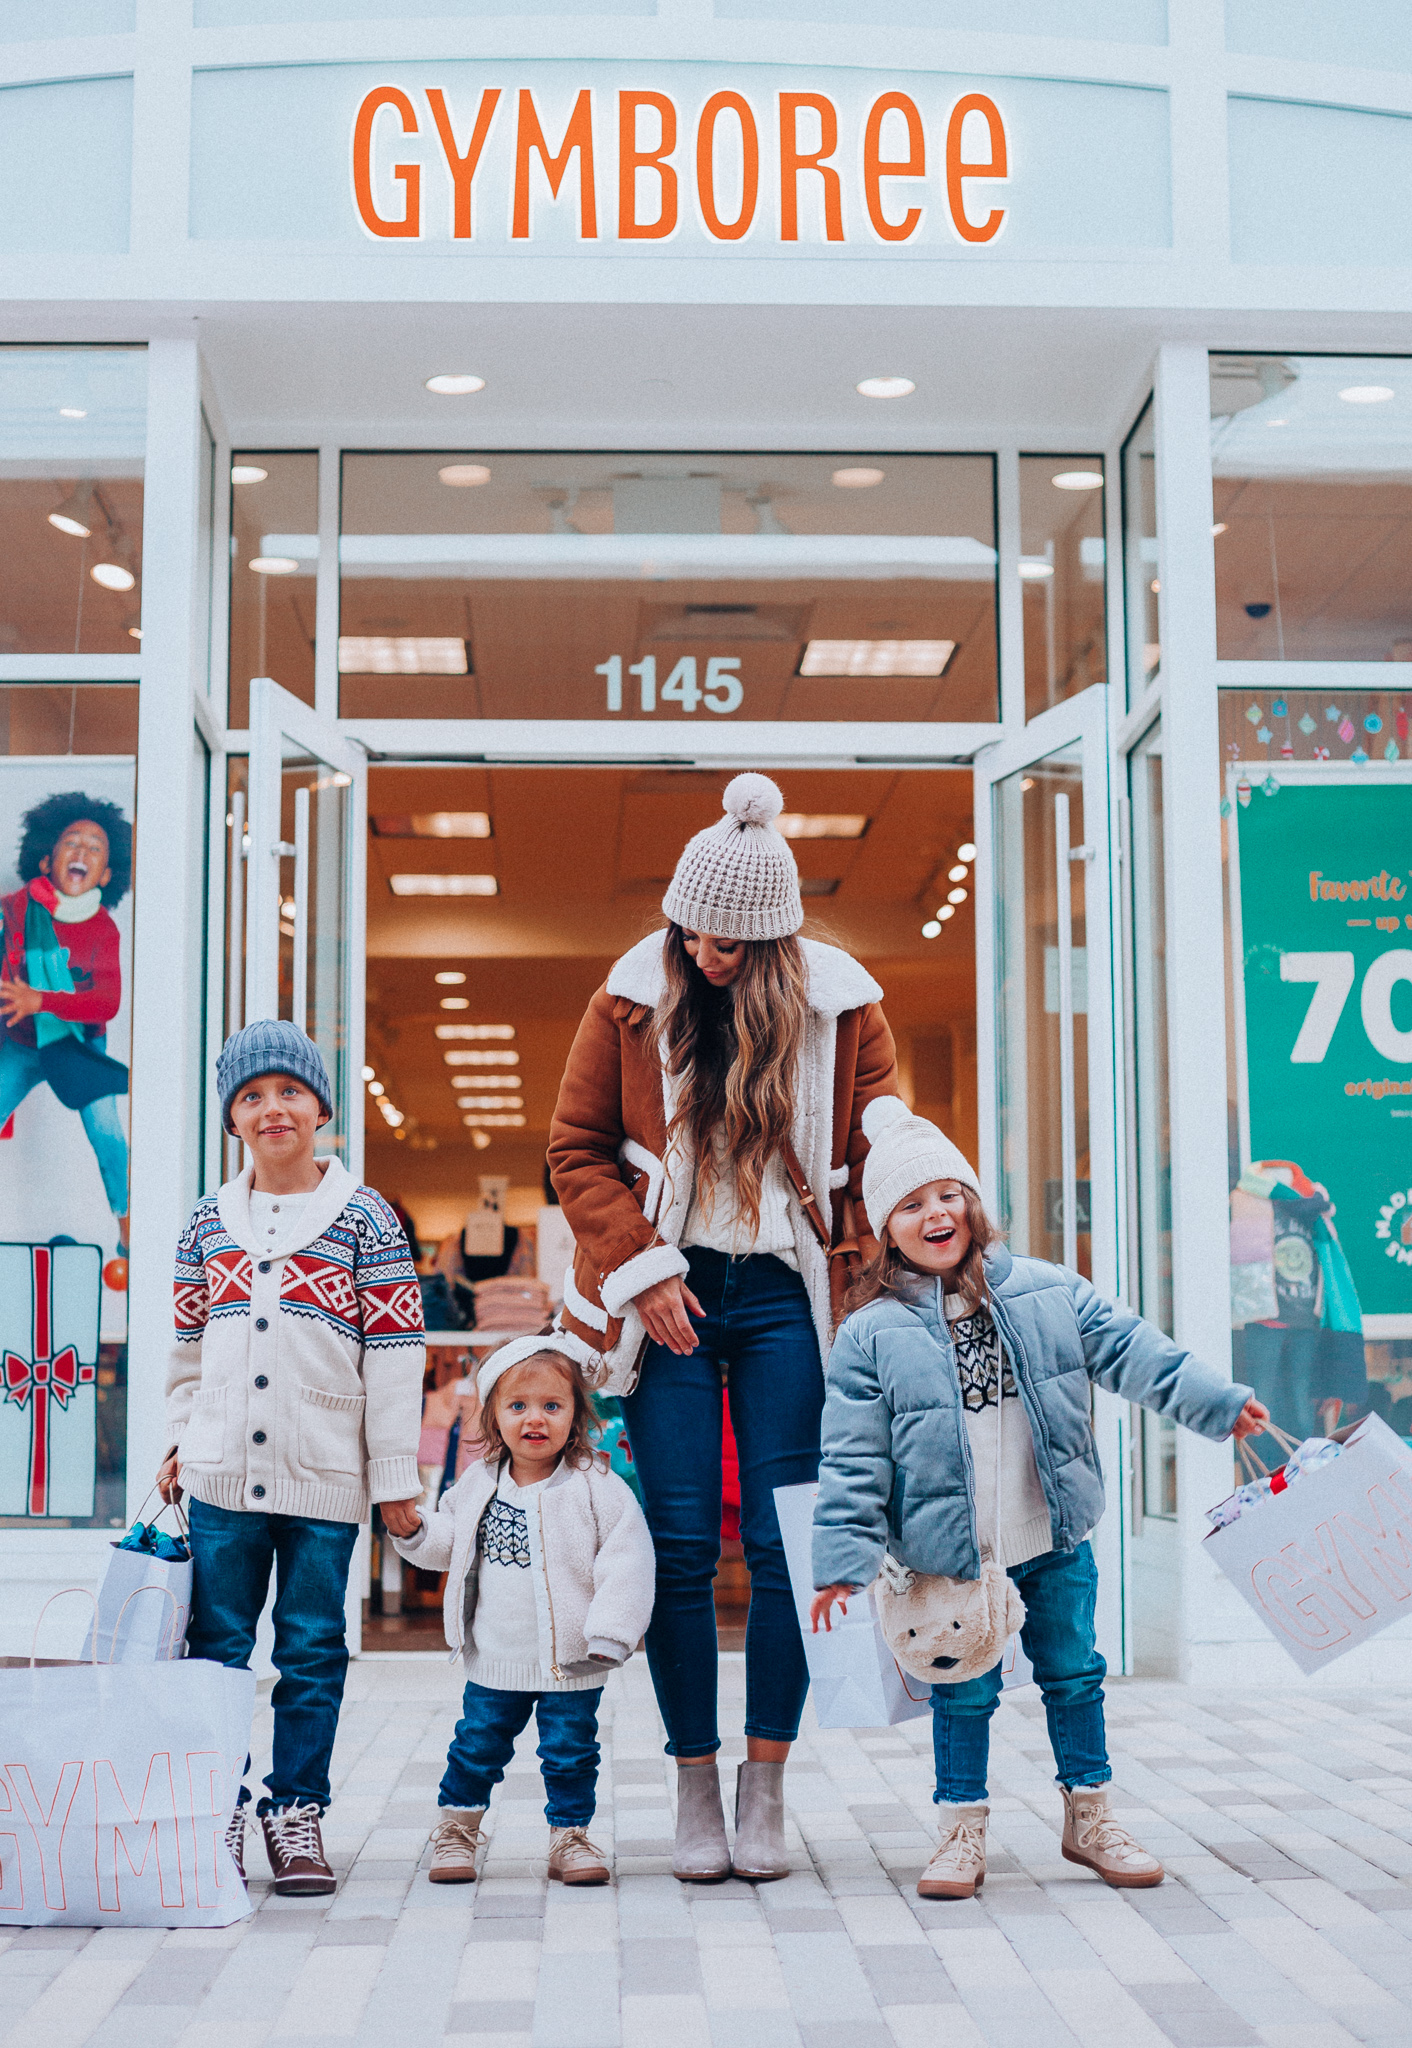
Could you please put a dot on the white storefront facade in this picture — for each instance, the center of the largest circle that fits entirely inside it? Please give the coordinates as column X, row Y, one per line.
column 1130, row 494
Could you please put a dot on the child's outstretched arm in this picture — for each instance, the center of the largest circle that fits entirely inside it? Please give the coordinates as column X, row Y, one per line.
column 1131, row 1357
column 855, row 1473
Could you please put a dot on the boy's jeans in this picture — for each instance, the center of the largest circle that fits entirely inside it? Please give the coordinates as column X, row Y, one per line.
column 568, row 1749
column 1058, row 1590
column 20, row 1071
column 232, row 1553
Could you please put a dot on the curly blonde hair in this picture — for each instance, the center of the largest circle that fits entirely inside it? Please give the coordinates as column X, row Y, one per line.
column 580, row 1450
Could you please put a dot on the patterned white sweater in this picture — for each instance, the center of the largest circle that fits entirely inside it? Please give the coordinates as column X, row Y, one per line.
column 295, row 1380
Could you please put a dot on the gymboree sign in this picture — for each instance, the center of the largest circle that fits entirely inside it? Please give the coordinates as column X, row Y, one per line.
column 636, row 165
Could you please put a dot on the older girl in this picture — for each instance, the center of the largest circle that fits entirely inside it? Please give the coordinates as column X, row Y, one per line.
column 713, row 1101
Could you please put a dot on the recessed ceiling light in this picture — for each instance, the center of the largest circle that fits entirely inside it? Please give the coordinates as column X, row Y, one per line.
column 946, row 910
column 1366, row 394
column 444, row 885
column 1218, row 528
column 886, row 387
column 376, row 1088
column 370, row 1073
column 876, row 657
column 462, row 474
column 134, row 632
column 274, row 565
column 966, row 851
column 955, row 895
column 475, row 1031
column 1035, row 569
column 112, row 576
column 385, row 654
column 247, row 473
column 1155, row 586
column 79, row 412
column 1277, row 423
column 450, row 977
column 1078, row 480
column 931, row 929
column 480, row 1122
column 857, row 479
column 455, row 387
column 481, row 1059
column 481, row 1139
column 957, row 874
column 821, row 824
column 455, row 1002
column 432, row 825
column 491, row 1102
column 67, row 525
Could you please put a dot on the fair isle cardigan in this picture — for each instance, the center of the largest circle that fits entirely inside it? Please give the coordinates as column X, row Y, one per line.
column 295, row 1381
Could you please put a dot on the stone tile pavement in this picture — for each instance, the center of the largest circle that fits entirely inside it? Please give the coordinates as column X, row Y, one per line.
column 1285, row 1821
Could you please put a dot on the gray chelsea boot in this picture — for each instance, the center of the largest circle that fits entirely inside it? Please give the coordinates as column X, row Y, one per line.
column 700, row 1854
column 759, row 1823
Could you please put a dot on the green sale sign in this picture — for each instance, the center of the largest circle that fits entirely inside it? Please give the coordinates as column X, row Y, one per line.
column 1321, row 904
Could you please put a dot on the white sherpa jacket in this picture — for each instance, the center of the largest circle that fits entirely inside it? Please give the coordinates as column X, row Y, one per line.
column 592, row 1567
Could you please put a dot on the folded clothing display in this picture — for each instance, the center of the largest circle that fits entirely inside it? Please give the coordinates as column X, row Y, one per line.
column 1309, row 1456
column 518, row 1306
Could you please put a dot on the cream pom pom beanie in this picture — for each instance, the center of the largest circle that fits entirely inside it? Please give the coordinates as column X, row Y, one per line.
column 738, row 879
column 905, row 1153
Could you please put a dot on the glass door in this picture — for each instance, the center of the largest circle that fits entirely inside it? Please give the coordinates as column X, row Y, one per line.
column 303, row 908
column 1046, row 1016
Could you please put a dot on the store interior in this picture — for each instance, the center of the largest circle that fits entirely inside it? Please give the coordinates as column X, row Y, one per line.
column 498, row 899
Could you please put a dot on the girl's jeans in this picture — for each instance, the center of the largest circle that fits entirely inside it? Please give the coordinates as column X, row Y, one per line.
column 484, row 1742
column 20, row 1071
column 759, row 1332
column 1058, row 1590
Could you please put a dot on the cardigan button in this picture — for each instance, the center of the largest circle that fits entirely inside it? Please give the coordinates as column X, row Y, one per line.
column 264, row 1265
column 258, row 1491
column 259, row 1437
column 261, row 1323
column 261, row 1382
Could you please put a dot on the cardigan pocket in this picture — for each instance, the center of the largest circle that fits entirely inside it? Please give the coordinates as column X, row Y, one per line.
column 203, row 1439
column 331, row 1432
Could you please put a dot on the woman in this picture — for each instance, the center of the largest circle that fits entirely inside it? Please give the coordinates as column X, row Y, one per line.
column 713, row 1099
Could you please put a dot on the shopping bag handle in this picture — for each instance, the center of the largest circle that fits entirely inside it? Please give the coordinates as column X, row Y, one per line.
column 1250, row 1461
column 62, row 1593
column 135, row 1594
column 174, row 1505
column 1282, row 1437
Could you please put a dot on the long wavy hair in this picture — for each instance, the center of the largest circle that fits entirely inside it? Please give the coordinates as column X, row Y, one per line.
column 888, row 1273
column 733, row 1053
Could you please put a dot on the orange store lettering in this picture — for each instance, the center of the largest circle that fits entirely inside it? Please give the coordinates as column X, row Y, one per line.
column 789, row 167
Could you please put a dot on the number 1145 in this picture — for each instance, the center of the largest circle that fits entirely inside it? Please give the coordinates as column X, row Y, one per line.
column 721, row 690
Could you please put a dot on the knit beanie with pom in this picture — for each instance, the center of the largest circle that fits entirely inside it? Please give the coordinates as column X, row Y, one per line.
column 906, row 1152
column 738, row 879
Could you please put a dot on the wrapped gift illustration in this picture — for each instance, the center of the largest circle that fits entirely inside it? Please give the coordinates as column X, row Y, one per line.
column 50, row 1298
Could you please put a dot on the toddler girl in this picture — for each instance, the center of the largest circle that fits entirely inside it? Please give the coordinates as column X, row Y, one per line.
column 945, row 1325
column 549, row 1587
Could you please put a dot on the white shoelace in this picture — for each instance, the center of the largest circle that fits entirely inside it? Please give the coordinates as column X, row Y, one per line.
column 1110, row 1836
column 460, row 1834
column 967, row 1837
column 235, row 1833
column 576, row 1842
column 297, row 1831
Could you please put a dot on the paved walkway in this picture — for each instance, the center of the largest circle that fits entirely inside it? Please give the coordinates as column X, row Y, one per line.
column 1285, row 1822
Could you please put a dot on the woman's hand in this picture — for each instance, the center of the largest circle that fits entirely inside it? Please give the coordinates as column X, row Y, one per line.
column 18, row 999
column 666, row 1310
column 822, row 1605
column 400, row 1517
column 167, row 1480
column 1251, row 1419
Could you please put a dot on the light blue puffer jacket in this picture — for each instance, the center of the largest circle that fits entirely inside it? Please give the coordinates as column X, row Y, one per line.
column 896, row 1470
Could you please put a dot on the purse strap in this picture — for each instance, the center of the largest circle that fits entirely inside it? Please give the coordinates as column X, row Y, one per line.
column 813, row 1215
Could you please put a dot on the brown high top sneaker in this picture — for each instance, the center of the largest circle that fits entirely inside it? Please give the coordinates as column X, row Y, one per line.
column 295, row 1848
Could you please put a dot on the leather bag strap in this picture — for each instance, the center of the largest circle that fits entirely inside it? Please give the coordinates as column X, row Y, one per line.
column 812, row 1213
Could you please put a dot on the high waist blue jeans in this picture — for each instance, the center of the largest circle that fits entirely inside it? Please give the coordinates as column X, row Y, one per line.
column 484, row 1742
column 1058, row 1590
column 232, row 1553
column 20, row 1071
column 759, row 1335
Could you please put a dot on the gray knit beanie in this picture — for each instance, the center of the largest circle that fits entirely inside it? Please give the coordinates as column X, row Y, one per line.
column 905, row 1153
column 270, row 1046
column 738, row 879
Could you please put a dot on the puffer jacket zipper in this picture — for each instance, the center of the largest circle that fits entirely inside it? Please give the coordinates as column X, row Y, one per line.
column 1038, row 1421
column 968, row 1463
column 554, row 1670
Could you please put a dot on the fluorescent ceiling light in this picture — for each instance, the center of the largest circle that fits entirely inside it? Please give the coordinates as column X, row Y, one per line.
column 876, row 657
column 491, row 1102
column 1078, row 480
column 247, row 473
column 821, row 824
column 480, row 1031
column 112, row 576
column 454, row 386
column 1366, row 394
column 857, row 479
column 444, row 885
column 460, row 475
column 455, row 1002
column 385, row 654
column 1035, row 569
column 73, row 412
column 481, row 1059
column 274, row 565
column 481, row 1122
column 886, row 387
column 432, row 825
column 450, row 977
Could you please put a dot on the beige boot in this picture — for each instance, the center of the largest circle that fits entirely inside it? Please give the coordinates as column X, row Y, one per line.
column 455, row 1841
column 700, row 1854
column 957, row 1871
column 573, row 1859
column 1092, row 1837
column 759, row 1855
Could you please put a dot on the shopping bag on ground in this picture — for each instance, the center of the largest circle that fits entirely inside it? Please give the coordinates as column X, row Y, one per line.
column 116, row 1784
column 132, row 1630
column 856, row 1680
column 1327, row 1561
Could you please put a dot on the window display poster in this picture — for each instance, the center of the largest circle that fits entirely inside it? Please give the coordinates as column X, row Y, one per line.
column 65, row 1037
column 1321, row 919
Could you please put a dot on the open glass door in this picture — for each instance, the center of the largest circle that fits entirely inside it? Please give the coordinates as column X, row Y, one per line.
column 304, row 896
column 1045, row 1011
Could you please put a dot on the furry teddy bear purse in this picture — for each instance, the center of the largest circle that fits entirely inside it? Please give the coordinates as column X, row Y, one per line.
column 942, row 1630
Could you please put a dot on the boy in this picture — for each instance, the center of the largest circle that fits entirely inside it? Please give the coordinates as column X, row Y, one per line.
column 294, row 1399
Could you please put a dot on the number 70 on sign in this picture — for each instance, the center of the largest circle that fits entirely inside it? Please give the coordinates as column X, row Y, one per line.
column 1332, row 974
column 721, row 690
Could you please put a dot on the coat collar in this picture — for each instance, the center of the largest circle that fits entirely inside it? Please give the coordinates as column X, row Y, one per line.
column 313, row 1219
column 836, row 981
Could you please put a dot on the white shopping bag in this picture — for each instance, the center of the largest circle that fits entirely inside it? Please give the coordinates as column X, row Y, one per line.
column 116, row 1785
column 1328, row 1562
column 856, row 1680
column 144, row 1604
